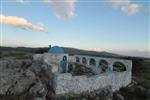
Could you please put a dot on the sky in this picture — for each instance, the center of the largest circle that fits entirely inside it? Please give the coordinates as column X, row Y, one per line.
column 118, row 26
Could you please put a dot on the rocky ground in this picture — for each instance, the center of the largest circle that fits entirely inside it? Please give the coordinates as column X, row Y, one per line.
column 23, row 79
column 77, row 69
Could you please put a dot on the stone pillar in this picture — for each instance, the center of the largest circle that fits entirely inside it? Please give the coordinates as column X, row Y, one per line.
column 80, row 59
column 129, row 66
column 97, row 66
column 110, row 67
column 88, row 61
column 100, row 69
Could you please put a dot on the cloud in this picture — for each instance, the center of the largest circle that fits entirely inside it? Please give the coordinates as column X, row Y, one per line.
column 21, row 1
column 63, row 8
column 67, row 11
column 126, row 6
column 21, row 22
column 48, row 1
column 98, row 49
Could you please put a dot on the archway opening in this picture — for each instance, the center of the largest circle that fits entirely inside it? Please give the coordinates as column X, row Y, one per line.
column 64, row 58
column 84, row 60
column 119, row 67
column 104, row 65
column 64, row 65
column 92, row 62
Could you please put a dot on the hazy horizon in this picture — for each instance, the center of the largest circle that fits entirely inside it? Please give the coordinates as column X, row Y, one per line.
column 132, row 53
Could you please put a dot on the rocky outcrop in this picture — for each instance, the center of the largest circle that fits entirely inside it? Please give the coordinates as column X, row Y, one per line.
column 23, row 77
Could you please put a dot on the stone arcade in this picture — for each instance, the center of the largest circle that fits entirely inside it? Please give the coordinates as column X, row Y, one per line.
column 112, row 72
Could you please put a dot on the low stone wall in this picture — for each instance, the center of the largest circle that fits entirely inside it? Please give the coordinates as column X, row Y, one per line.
column 49, row 58
column 68, row 84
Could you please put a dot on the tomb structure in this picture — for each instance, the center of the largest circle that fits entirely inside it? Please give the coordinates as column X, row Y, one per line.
column 95, row 72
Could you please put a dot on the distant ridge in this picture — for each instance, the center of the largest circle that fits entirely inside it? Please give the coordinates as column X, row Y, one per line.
column 74, row 51
column 69, row 50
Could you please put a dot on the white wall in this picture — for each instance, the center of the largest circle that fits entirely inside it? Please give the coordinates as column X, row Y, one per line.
column 66, row 83
column 50, row 58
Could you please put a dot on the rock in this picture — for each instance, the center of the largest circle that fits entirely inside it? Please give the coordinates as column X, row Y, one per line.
column 38, row 57
column 134, row 82
column 19, row 77
column 92, row 95
column 81, row 70
column 97, row 98
column 38, row 98
column 38, row 90
column 119, row 97
column 20, row 86
column 83, row 99
column 36, row 67
column 142, row 88
column 30, row 74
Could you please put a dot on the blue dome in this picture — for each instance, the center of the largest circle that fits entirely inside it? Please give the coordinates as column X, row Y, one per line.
column 56, row 50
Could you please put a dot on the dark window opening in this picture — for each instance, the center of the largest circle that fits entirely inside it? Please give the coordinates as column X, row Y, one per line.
column 104, row 65
column 64, row 58
column 77, row 59
column 92, row 62
column 119, row 67
column 84, row 60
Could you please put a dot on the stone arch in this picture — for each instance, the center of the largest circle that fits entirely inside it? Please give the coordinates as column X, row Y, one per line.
column 104, row 65
column 77, row 59
column 64, row 58
column 64, row 64
column 92, row 62
column 119, row 67
column 84, row 61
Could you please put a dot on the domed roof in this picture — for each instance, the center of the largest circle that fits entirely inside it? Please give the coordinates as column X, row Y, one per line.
column 56, row 50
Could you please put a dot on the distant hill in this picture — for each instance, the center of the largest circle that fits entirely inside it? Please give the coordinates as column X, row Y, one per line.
column 70, row 51
column 73, row 51
column 23, row 49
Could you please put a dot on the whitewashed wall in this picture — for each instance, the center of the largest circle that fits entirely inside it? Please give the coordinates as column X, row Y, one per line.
column 50, row 58
column 66, row 83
